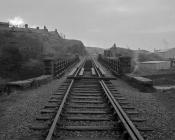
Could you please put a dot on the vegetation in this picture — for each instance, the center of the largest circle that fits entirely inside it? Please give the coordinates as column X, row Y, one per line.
column 149, row 57
column 21, row 53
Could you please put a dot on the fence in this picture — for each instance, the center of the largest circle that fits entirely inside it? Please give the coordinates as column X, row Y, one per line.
column 57, row 67
column 53, row 68
column 118, row 65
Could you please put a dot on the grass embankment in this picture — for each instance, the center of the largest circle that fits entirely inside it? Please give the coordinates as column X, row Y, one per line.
column 21, row 53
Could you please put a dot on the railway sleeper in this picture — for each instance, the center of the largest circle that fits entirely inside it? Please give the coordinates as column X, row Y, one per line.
column 78, row 90
column 58, row 94
column 44, row 117
column 85, row 94
column 54, row 100
column 86, row 118
column 89, row 128
column 86, row 105
column 87, row 101
column 84, row 90
column 52, row 105
column 86, row 112
column 88, row 97
column 43, row 111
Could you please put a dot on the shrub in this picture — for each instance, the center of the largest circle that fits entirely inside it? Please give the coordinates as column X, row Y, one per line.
column 32, row 68
column 10, row 61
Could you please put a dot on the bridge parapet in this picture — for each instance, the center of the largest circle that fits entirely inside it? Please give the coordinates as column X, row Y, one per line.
column 56, row 67
column 118, row 65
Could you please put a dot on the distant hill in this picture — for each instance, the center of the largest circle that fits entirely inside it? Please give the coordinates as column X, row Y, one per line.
column 94, row 50
column 45, row 43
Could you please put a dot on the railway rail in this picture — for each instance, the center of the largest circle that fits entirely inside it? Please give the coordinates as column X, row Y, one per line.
column 85, row 108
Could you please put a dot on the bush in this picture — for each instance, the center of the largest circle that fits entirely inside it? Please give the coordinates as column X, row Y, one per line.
column 32, row 68
column 10, row 61
column 14, row 67
column 149, row 57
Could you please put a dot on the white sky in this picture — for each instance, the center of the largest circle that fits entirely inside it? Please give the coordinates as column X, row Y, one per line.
column 145, row 24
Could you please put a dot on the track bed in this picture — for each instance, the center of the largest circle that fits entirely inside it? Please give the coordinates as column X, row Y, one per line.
column 86, row 108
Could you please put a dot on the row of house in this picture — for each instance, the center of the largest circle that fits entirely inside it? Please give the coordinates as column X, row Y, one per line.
column 7, row 27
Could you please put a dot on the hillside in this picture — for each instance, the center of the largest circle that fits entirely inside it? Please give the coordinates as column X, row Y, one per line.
column 94, row 50
column 21, row 52
column 45, row 43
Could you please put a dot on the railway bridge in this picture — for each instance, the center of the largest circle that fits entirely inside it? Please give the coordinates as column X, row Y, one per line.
column 88, row 106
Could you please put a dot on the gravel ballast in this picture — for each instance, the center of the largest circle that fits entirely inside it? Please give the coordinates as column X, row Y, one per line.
column 19, row 110
column 157, row 108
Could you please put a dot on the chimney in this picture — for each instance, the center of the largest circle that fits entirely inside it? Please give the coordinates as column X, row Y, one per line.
column 45, row 28
column 26, row 26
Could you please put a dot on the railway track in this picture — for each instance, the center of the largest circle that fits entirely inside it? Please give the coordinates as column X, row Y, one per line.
column 85, row 108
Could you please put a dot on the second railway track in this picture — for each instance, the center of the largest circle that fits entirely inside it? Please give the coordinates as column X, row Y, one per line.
column 88, row 110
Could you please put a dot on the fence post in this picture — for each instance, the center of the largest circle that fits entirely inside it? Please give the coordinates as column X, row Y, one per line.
column 49, row 66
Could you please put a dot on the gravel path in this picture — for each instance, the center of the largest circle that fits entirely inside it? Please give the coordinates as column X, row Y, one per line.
column 157, row 108
column 19, row 110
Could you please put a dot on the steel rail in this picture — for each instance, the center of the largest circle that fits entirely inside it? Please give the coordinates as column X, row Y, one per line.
column 129, row 126
column 57, row 117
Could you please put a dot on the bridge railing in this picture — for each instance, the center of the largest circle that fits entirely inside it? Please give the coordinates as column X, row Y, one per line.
column 57, row 67
column 118, row 65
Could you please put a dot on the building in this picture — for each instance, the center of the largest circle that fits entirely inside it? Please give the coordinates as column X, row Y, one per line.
column 107, row 53
column 154, row 65
column 112, row 52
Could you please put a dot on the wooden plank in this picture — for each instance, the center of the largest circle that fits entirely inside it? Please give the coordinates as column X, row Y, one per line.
column 81, row 72
column 88, row 128
column 72, row 72
column 102, row 71
column 98, row 78
column 93, row 71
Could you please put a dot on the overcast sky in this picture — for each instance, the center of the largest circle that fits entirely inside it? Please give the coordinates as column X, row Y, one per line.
column 145, row 24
